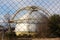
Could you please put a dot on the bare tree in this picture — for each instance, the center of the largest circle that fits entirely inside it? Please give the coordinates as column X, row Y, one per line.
column 7, row 19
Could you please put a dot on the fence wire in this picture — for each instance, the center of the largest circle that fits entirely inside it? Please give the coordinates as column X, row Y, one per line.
column 18, row 14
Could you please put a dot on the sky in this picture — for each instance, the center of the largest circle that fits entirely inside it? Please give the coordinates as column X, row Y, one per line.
column 10, row 6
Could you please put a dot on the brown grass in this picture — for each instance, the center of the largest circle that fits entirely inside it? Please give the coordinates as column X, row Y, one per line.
column 47, row 39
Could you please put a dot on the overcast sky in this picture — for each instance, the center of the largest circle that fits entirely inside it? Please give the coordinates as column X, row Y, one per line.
column 10, row 6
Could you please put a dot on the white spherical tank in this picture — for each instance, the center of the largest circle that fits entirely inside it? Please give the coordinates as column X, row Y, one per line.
column 28, row 25
column 25, row 27
column 29, row 22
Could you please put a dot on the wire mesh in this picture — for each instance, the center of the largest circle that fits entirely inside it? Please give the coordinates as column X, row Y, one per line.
column 8, row 8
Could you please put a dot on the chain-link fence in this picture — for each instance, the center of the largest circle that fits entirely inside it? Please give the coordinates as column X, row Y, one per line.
column 26, row 17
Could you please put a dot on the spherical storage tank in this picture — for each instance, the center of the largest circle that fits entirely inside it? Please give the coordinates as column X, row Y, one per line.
column 27, row 24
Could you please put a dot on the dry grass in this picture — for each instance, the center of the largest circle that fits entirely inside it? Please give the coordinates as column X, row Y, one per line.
column 39, row 39
column 47, row 39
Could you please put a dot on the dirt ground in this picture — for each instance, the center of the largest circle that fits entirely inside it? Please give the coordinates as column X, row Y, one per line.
column 47, row 39
column 39, row 39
